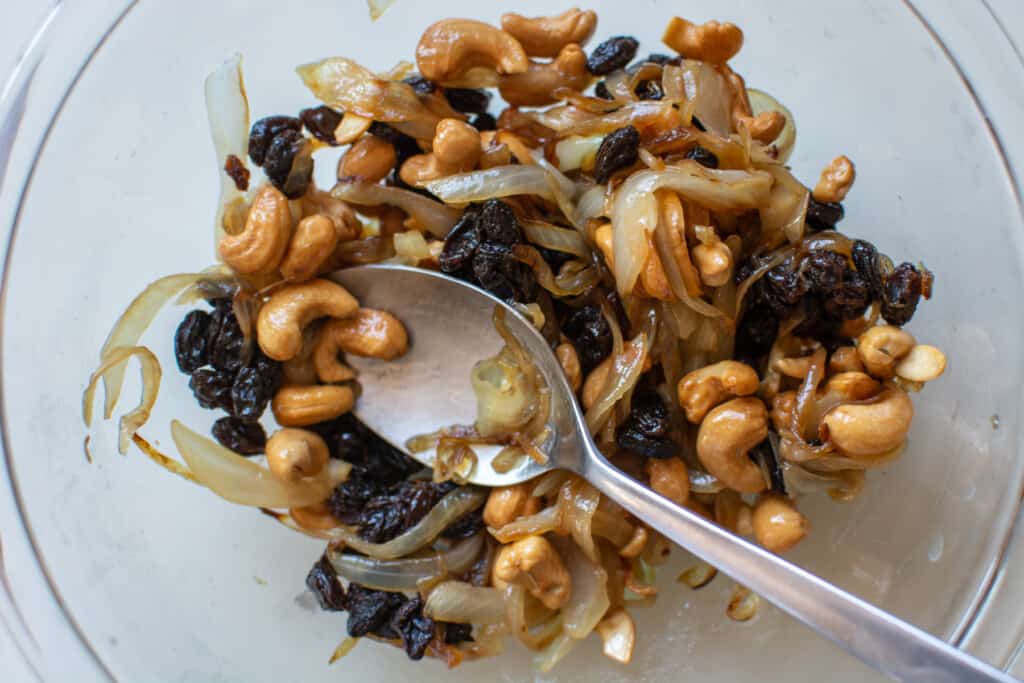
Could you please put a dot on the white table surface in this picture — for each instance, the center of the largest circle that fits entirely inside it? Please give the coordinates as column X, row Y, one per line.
column 19, row 20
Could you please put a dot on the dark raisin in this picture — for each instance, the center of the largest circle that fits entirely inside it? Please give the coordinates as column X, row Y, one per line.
column 263, row 133
column 662, row 59
column 369, row 610
column 865, row 258
column 387, row 515
column 420, row 84
column 416, row 630
column 823, row 215
column 823, row 270
column 468, row 100
column 484, row 121
column 254, row 387
column 601, row 90
column 902, row 294
column 190, row 341
column 649, row 90
column 492, row 263
column 498, row 223
column 465, row 526
column 619, row 149
column 850, row 299
column 212, row 388
column 350, row 440
column 646, row 430
column 322, row 580
column 237, row 171
column 225, row 340
column 698, row 125
column 555, row 259
column 457, row 633
column 460, row 245
column 703, row 156
column 321, row 122
column 781, row 288
column 245, row 438
column 589, row 332
column 289, row 163
column 756, row 332
column 350, row 497
column 614, row 53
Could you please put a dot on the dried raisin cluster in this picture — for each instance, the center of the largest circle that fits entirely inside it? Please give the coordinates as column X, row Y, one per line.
column 277, row 144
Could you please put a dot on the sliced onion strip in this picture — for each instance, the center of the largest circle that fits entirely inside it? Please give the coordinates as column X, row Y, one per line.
column 459, row 602
column 115, row 361
column 406, row 573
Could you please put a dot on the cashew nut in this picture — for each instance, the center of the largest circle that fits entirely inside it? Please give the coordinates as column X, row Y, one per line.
column 852, row 386
column 778, row 525
column 303, row 406
column 835, row 181
column 783, row 405
column 370, row 333
column 296, row 453
column 732, row 513
column 725, row 436
column 670, row 478
column 493, row 152
column 546, row 36
column 505, row 504
column 795, row 367
column 881, row 346
column 346, row 223
column 594, row 384
column 703, row 389
column 316, row 517
column 451, row 47
column 845, row 359
column 603, row 240
column 863, row 430
column 714, row 262
column 534, row 88
column 534, row 564
column 570, row 362
column 653, row 282
column 711, row 42
column 281, row 320
column 923, row 364
column 456, row 148
column 764, row 127
column 258, row 249
column 309, row 248
column 369, row 159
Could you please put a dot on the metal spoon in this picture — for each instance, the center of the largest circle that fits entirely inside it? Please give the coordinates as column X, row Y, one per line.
column 450, row 326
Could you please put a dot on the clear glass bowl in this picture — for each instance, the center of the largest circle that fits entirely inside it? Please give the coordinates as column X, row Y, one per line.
column 119, row 571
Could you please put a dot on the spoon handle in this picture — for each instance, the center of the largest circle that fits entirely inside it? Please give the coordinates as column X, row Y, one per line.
column 880, row 640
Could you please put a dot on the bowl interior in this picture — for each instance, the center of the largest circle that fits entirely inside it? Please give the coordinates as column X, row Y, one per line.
column 164, row 577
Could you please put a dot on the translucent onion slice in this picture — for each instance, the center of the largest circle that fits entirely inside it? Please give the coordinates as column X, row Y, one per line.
column 579, row 278
column 227, row 111
column 116, row 360
column 577, row 152
column 407, row 573
column 703, row 84
column 581, row 500
column 588, row 600
column 761, row 101
column 557, row 238
column 434, row 217
column 548, row 519
column 459, row 602
column 490, row 183
column 782, row 218
column 378, row 7
column 555, row 652
column 626, row 370
column 344, row 647
column 239, row 480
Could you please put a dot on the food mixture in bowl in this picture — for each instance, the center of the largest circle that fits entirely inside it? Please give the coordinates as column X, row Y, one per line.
column 729, row 346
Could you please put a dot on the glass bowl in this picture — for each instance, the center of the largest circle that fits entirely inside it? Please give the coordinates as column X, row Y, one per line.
column 117, row 571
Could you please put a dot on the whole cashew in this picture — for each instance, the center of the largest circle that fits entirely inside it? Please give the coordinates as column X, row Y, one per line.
column 712, row 42
column 450, row 47
column 258, row 249
column 764, row 127
column 703, row 389
column 299, row 370
column 852, row 386
column 845, row 359
column 309, row 248
column 369, row 159
column 303, row 406
column 281, row 320
column 506, row 504
column 670, row 478
column 880, row 347
column 714, row 262
column 835, row 181
column 725, row 436
column 296, row 453
column 546, row 36
column 369, row 333
column 455, row 149
column 534, row 88
column 778, row 525
column 863, row 430
column 534, row 564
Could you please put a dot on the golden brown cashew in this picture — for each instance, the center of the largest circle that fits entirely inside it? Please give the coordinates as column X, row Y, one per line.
column 450, row 47
column 852, row 386
column 764, row 127
column 316, row 517
column 534, row 564
column 711, row 42
column 670, row 478
column 863, row 430
column 725, row 436
column 778, row 525
column 456, row 148
column 714, row 262
column 534, row 88
column 546, row 36
column 282, row 319
column 303, row 406
column 653, row 282
column 836, row 180
column 570, row 362
column 299, row 370
column 881, row 346
column 258, row 249
column 845, row 359
column 346, row 223
column 506, row 504
column 370, row 333
column 593, row 385
column 703, row 389
column 296, row 453
column 783, row 405
column 923, row 364
column 309, row 248
column 369, row 159
column 493, row 152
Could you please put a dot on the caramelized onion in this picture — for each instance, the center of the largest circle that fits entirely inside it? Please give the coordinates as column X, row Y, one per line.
column 407, row 573
column 115, row 360
column 434, row 217
column 459, row 602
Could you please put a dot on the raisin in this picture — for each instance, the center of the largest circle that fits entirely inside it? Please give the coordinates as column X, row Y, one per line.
column 416, row 630
column 322, row 580
column 190, row 341
column 465, row 526
column 823, row 270
column 601, row 90
column 245, row 438
column 619, row 149
column 254, row 387
column 823, row 215
column 484, row 121
column 703, row 156
column 225, row 340
column 237, row 171
column 649, row 90
column 646, row 430
column 388, row 515
column 662, row 59
column 212, row 388
column 756, row 332
column 349, row 497
column 614, row 53
column 460, row 245
column 370, row 609
column 468, row 100
column 350, row 440
column 902, row 294
column 457, row 633
column 589, row 332
column 498, row 223
column 263, row 133
column 781, row 288
column 321, row 122
column 865, row 258
column 289, row 164
column 492, row 264
column 420, row 84
column 850, row 299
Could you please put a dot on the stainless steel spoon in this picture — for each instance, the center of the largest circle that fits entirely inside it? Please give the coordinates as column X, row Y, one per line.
column 450, row 326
